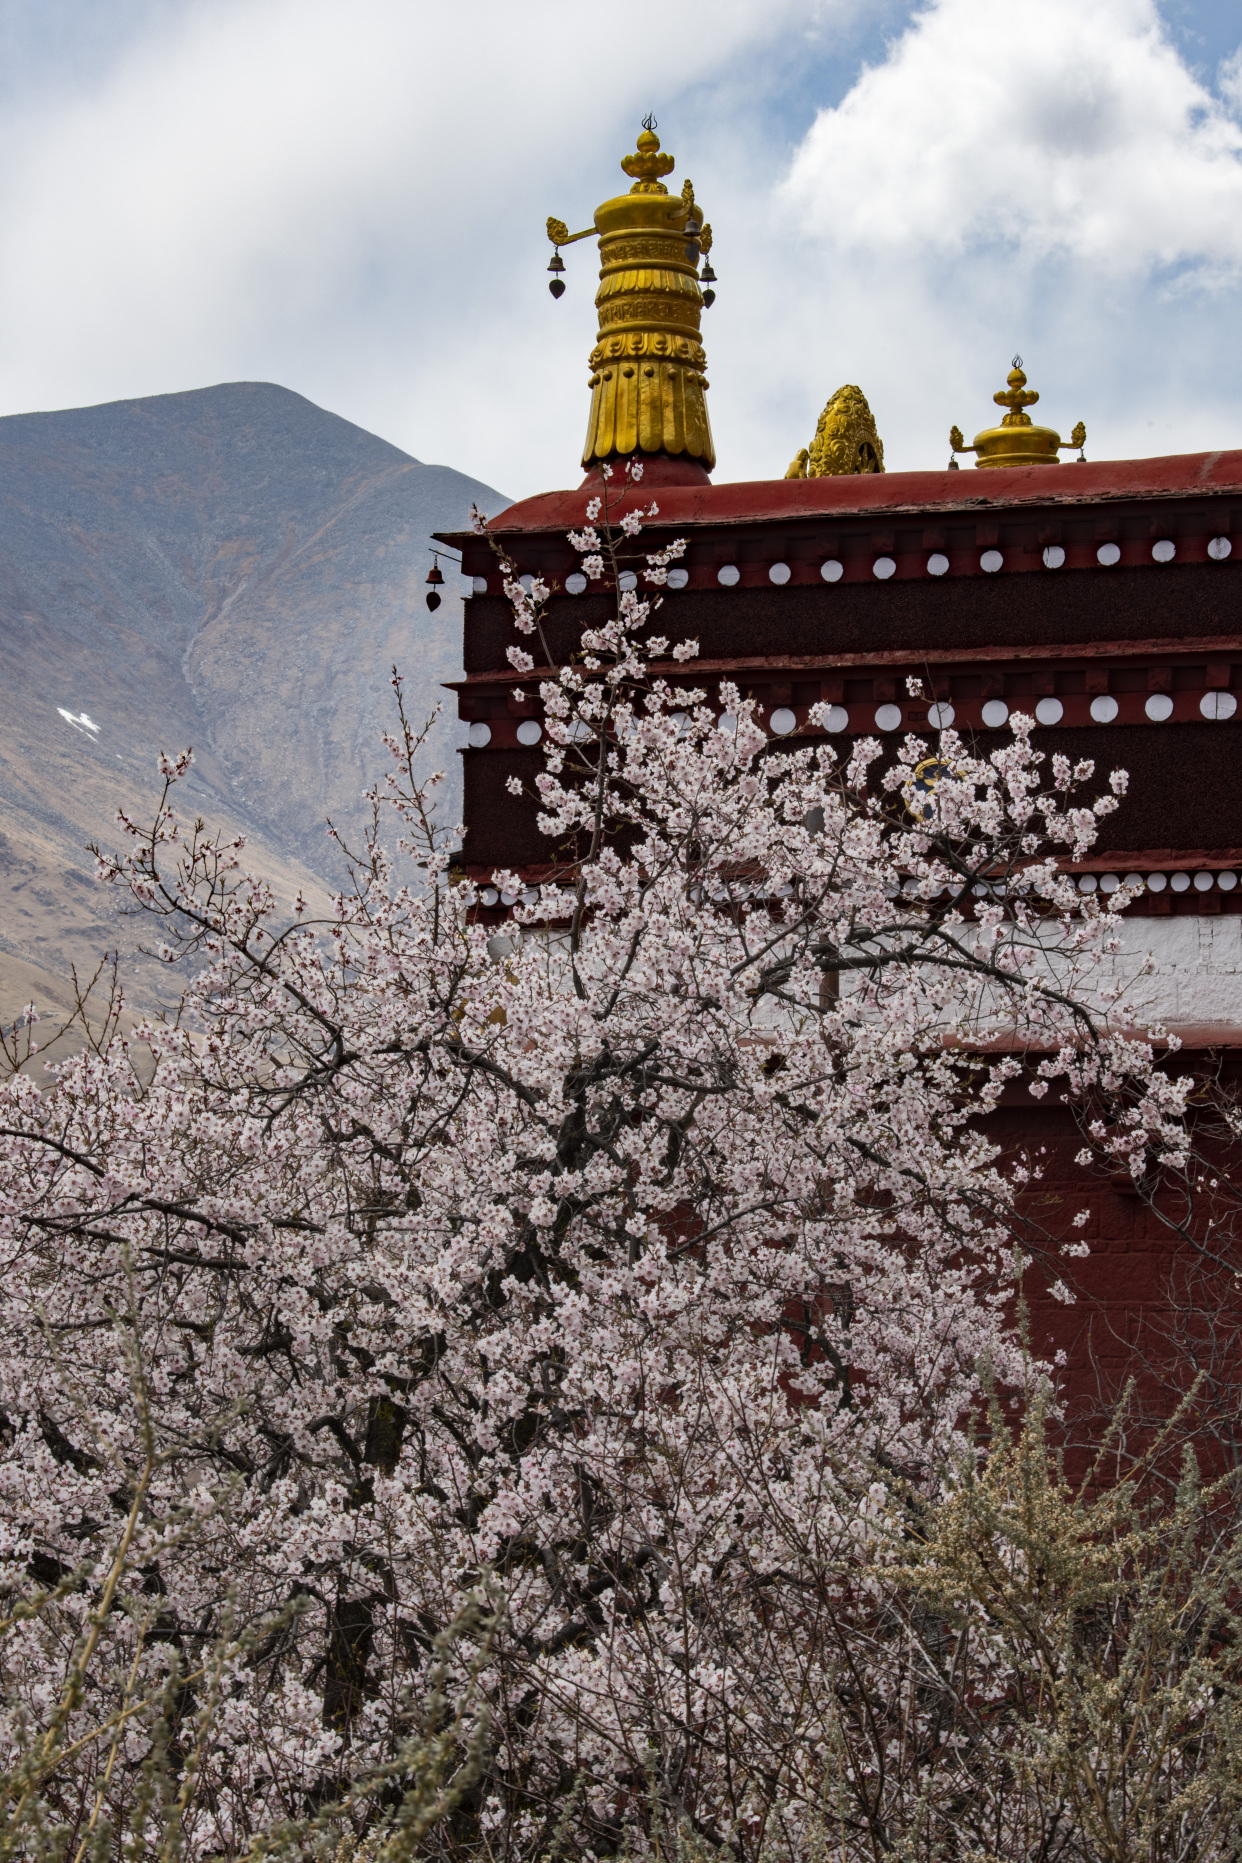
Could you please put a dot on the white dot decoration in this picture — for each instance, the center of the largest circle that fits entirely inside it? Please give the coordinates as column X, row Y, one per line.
column 1218, row 705
column 480, row 735
column 1104, row 708
column 627, row 580
column 995, row 714
column 938, row 564
column 488, row 896
column 941, row 715
column 728, row 575
column 1164, row 550
column 575, row 584
column 529, row 731
column 578, row 731
column 1049, row 711
column 1134, row 879
column 726, row 724
column 1109, row 882
column 508, row 899
column 783, row 721
column 887, row 717
column 1087, row 882
column 779, row 573
column 1219, row 548
column 832, row 570
column 1108, row 554
column 1180, row 882
column 530, row 897
column 883, row 567
column 1203, row 882
column 1054, row 556
column 991, row 561
column 1156, row 882
column 479, row 584
column 527, row 581
column 835, row 718
column 1159, row 707
column 1226, row 881
column 678, row 578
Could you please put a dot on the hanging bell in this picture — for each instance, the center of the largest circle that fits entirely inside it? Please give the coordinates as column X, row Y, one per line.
column 435, row 579
column 556, row 285
column 707, row 275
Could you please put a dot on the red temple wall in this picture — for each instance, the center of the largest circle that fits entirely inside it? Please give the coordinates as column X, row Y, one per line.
column 1149, row 1309
column 788, row 637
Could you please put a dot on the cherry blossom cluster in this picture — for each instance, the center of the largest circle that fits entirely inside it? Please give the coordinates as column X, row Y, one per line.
column 626, row 1257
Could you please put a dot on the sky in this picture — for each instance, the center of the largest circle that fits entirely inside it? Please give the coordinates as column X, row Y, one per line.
column 348, row 197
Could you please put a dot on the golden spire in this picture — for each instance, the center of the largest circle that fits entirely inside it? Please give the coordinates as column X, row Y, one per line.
column 845, row 440
column 1017, row 441
column 647, row 381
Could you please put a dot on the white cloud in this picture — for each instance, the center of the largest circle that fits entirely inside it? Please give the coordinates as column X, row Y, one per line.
column 1064, row 129
column 348, row 196
column 1040, row 176
column 1229, row 81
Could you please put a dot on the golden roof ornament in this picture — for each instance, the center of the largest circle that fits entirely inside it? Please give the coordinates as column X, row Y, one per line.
column 647, row 368
column 1017, row 441
column 845, row 440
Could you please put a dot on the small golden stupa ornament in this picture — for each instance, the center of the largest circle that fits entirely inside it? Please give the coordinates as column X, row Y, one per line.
column 647, row 368
column 845, row 440
column 1017, row 441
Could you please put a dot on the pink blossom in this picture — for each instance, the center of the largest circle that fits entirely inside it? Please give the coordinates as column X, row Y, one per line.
column 641, row 1246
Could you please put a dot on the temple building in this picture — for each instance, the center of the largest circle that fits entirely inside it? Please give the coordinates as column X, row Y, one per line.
column 1104, row 596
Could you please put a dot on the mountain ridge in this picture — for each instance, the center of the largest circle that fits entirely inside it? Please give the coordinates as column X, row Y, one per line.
column 231, row 567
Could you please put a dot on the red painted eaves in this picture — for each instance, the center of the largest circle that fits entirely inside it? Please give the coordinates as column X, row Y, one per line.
column 1177, row 475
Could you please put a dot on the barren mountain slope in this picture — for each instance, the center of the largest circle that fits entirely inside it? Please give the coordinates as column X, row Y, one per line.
column 231, row 568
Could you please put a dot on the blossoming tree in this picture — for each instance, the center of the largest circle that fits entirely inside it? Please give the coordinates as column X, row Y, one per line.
column 613, row 1264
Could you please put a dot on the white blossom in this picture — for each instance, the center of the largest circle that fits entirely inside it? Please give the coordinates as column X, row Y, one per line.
column 639, row 1248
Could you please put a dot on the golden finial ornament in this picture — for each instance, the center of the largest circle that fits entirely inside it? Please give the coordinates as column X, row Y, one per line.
column 647, row 376
column 1017, row 441
column 647, row 166
column 845, row 440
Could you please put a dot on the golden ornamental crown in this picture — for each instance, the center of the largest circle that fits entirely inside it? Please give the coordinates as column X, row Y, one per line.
column 648, row 162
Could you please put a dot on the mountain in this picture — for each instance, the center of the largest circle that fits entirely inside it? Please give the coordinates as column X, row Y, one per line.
column 235, row 569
